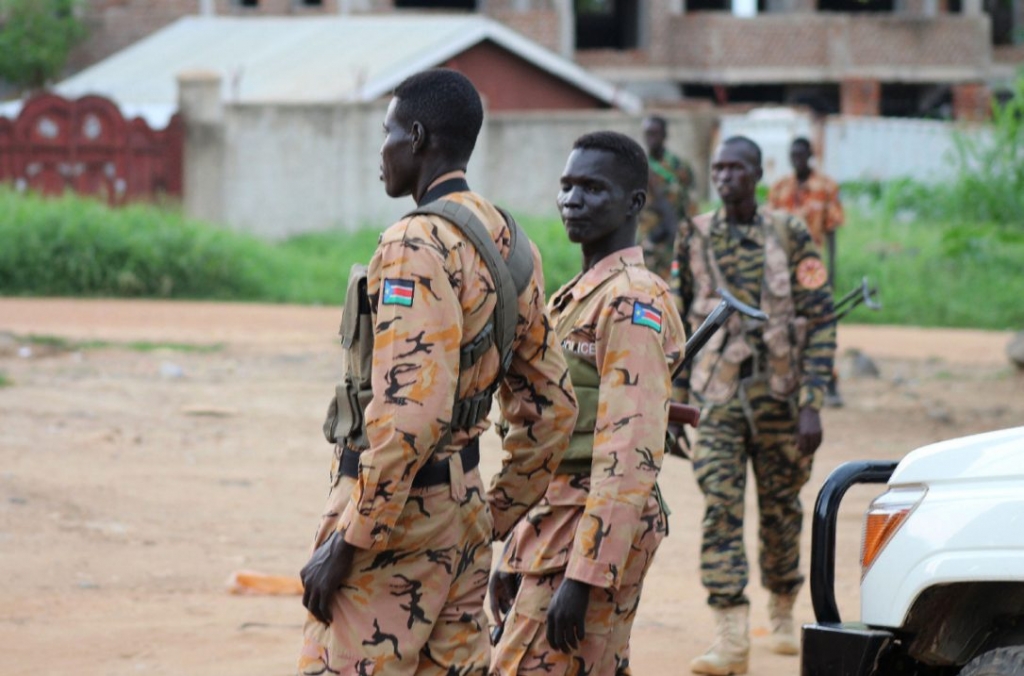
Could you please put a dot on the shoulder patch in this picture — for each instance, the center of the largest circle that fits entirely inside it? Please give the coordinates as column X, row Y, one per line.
column 647, row 315
column 811, row 273
column 398, row 292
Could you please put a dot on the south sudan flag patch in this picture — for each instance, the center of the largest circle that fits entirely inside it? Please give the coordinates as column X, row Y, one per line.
column 647, row 315
column 398, row 292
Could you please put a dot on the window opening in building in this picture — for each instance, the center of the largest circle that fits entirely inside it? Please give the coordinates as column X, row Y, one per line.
column 1002, row 13
column 435, row 4
column 708, row 5
column 607, row 24
column 312, row 3
column 823, row 99
column 248, row 3
column 900, row 99
column 856, row 6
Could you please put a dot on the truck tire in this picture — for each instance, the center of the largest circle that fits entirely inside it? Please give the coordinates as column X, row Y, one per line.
column 998, row 662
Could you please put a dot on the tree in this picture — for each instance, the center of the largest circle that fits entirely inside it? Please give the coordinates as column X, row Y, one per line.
column 36, row 37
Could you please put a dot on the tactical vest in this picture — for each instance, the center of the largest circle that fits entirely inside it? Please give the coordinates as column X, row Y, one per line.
column 586, row 383
column 345, row 423
column 716, row 371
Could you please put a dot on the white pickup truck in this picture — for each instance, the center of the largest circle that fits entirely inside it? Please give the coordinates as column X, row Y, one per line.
column 942, row 559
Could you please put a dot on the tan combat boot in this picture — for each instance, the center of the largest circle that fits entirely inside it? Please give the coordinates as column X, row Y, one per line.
column 780, row 610
column 730, row 650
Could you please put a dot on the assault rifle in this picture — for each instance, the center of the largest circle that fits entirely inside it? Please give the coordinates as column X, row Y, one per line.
column 684, row 414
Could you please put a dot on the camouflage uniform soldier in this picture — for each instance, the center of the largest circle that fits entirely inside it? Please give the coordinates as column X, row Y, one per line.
column 670, row 180
column 397, row 580
column 761, row 387
column 582, row 553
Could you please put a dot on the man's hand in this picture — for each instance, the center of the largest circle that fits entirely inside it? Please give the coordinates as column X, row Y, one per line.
column 567, row 616
column 503, row 588
column 808, row 432
column 324, row 574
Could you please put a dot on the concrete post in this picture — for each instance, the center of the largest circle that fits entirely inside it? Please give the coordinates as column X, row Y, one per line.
column 566, row 28
column 202, row 110
column 972, row 8
column 207, row 8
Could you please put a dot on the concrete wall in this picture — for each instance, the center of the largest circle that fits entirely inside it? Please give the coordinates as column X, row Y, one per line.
column 854, row 148
column 882, row 149
column 280, row 170
column 526, row 152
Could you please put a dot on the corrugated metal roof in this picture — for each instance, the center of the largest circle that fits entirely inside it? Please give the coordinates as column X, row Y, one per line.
column 310, row 59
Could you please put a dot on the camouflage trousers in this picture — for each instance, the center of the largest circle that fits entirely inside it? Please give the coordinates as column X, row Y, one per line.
column 417, row 606
column 604, row 651
column 726, row 442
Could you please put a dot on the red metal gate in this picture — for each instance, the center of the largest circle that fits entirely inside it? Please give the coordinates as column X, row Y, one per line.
column 87, row 146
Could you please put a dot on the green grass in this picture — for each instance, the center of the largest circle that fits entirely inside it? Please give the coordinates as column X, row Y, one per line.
column 5, row 381
column 933, row 274
column 929, row 272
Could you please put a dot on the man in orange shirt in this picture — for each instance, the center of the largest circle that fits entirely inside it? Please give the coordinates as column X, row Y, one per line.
column 814, row 197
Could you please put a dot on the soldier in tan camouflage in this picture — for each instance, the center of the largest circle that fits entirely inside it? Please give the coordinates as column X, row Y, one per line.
column 760, row 388
column 401, row 558
column 575, row 566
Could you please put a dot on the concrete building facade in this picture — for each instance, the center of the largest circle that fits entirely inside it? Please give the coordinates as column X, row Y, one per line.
column 903, row 58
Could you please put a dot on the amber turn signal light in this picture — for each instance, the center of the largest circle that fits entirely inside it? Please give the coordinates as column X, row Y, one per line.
column 884, row 517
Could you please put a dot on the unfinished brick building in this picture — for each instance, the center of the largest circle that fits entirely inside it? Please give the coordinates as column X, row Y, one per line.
column 934, row 58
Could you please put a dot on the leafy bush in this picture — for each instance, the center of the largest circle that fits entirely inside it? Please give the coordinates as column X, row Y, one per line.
column 79, row 247
column 36, row 38
column 989, row 183
column 930, row 272
column 933, row 273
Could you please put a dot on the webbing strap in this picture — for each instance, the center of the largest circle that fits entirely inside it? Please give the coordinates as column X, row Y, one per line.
column 511, row 276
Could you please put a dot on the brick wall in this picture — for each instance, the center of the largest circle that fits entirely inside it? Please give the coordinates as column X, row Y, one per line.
column 860, row 97
column 539, row 25
column 972, row 102
column 717, row 47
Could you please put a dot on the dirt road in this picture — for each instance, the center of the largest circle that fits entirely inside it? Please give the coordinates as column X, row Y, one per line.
column 135, row 478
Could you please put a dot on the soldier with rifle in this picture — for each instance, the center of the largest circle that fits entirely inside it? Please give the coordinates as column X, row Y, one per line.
column 760, row 385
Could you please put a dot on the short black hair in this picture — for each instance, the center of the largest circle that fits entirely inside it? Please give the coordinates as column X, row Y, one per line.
column 447, row 104
column 632, row 157
column 745, row 141
column 802, row 141
column 659, row 120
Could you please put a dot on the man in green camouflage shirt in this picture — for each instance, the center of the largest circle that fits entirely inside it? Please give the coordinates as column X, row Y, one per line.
column 761, row 387
column 669, row 182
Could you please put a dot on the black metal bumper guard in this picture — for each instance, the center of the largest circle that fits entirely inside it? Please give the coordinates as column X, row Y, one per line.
column 831, row 648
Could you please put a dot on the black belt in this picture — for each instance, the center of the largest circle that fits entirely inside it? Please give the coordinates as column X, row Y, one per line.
column 431, row 474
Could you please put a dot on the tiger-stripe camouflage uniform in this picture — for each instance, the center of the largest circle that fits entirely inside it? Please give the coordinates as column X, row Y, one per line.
column 751, row 382
column 669, row 184
column 601, row 519
column 413, row 603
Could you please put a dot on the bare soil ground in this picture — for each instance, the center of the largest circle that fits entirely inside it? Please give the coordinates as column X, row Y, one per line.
column 134, row 481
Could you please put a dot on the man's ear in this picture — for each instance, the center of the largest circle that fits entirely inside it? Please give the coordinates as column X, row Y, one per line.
column 417, row 137
column 759, row 173
column 637, row 200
